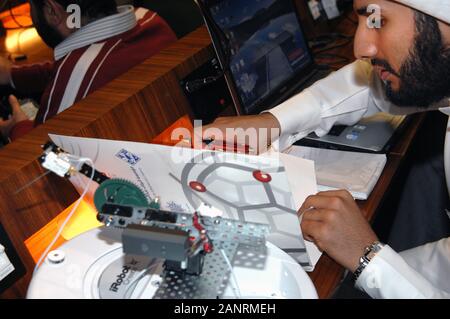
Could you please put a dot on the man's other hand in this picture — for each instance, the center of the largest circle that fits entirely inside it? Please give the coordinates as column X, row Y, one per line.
column 255, row 131
column 334, row 222
column 17, row 116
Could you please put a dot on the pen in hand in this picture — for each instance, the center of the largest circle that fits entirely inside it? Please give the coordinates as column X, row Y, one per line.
column 224, row 146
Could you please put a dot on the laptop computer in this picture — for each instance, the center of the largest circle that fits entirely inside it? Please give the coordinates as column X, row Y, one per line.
column 265, row 56
column 374, row 134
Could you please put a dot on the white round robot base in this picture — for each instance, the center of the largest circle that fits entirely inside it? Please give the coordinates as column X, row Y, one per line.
column 94, row 267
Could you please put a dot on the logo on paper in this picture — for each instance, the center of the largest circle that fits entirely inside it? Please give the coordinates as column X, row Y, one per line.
column 128, row 157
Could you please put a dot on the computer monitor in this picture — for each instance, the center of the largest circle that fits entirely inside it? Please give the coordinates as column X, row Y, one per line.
column 262, row 46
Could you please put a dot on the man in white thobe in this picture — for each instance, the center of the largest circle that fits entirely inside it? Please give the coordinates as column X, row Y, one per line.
column 403, row 62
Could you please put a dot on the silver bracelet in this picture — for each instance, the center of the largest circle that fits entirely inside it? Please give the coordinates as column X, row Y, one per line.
column 369, row 252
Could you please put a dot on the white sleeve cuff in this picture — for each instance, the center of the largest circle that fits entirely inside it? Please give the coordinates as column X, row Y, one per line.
column 297, row 116
column 388, row 276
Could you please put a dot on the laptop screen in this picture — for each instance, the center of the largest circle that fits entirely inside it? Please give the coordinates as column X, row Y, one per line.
column 265, row 45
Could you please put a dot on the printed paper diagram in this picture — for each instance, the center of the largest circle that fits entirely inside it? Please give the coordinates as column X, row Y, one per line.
column 248, row 188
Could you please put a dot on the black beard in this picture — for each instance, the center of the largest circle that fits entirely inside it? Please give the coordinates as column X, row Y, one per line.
column 424, row 76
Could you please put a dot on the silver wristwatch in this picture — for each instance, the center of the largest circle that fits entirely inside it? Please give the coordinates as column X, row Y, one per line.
column 369, row 252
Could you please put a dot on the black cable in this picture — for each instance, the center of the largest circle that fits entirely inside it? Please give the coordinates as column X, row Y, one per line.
column 194, row 85
column 332, row 36
column 324, row 40
column 339, row 59
column 329, row 42
column 336, row 46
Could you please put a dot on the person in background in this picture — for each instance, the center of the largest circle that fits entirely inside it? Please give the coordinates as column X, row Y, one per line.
column 110, row 41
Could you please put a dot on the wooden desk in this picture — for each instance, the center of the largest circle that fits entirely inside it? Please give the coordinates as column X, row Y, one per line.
column 135, row 107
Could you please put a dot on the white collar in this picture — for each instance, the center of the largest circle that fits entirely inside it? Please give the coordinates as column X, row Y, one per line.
column 98, row 30
column 446, row 109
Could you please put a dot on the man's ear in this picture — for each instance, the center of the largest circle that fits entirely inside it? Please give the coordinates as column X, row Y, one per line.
column 54, row 13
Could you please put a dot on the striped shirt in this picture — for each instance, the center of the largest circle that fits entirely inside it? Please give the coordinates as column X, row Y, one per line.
column 90, row 58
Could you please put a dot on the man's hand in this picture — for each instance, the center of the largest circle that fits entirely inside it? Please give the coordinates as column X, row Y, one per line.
column 5, row 71
column 256, row 131
column 17, row 116
column 333, row 221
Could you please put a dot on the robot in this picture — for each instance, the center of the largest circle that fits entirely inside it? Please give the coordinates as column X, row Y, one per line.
column 145, row 252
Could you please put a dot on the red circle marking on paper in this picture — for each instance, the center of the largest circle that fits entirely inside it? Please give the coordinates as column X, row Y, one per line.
column 262, row 177
column 199, row 187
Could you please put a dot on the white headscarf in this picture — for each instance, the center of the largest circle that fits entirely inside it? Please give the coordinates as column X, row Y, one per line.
column 440, row 9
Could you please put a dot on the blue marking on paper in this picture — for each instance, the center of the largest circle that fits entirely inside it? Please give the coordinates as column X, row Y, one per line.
column 128, row 157
column 175, row 207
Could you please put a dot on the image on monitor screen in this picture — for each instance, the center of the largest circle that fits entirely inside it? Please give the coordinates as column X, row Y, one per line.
column 265, row 43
